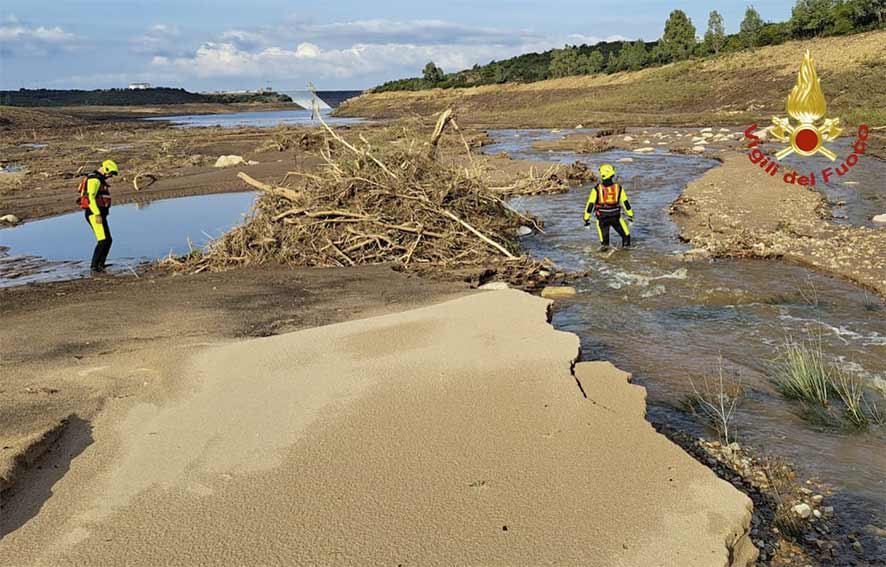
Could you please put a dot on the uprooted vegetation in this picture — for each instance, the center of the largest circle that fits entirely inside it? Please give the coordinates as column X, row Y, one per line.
column 396, row 203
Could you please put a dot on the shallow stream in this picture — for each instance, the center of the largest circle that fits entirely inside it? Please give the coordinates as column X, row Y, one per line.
column 667, row 320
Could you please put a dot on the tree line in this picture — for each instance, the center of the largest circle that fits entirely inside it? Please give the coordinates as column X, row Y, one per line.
column 679, row 41
column 128, row 97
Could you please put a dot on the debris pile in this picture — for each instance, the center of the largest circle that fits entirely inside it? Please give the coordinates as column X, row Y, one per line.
column 398, row 205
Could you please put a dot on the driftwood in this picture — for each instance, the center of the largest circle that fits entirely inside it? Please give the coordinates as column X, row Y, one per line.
column 281, row 191
column 430, row 215
column 479, row 234
column 149, row 176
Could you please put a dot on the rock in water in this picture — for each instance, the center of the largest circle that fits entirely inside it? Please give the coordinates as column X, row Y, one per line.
column 228, row 161
column 803, row 510
column 698, row 148
column 644, row 150
column 524, row 231
column 880, row 218
column 495, row 286
column 9, row 219
column 625, row 160
column 553, row 292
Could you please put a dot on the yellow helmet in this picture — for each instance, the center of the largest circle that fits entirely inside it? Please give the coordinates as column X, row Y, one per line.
column 110, row 167
column 606, row 171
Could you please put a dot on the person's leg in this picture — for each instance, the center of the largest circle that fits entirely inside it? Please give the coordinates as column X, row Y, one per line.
column 106, row 248
column 622, row 228
column 603, row 232
column 98, row 229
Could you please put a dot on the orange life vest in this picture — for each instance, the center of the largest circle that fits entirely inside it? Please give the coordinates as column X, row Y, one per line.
column 102, row 197
column 608, row 197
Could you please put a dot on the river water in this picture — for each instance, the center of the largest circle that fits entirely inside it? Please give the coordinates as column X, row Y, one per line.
column 667, row 320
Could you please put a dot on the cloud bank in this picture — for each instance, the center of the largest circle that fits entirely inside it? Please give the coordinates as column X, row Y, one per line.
column 360, row 52
column 20, row 39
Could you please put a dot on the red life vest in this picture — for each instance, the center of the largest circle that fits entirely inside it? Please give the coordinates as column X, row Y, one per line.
column 608, row 200
column 102, row 197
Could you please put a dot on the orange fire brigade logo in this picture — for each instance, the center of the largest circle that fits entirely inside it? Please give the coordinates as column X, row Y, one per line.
column 806, row 104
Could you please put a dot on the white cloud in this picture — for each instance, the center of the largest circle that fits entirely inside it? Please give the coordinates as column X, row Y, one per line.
column 380, row 50
column 20, row 38
column 161, row 40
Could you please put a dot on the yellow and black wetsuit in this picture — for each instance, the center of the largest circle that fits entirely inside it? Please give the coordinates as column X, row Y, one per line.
column 605, row 203
column 99, row 201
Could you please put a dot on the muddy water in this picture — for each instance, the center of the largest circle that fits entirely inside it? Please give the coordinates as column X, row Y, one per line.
column 667, row 320
column 60, row 247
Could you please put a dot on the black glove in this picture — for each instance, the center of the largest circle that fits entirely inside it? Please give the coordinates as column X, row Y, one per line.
column 587, row 223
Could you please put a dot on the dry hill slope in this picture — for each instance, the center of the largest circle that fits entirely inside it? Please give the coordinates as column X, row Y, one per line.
column 734, row 88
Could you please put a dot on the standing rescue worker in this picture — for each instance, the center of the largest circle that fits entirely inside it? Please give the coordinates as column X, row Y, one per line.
column 95, row 199
column 605, row 203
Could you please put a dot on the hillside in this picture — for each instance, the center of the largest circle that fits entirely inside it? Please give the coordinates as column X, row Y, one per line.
column 127, row 97
column 734, row 88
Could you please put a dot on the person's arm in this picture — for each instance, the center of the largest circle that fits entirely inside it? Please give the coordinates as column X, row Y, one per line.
column 92, row 187
column 589, row 207
column 626, row 204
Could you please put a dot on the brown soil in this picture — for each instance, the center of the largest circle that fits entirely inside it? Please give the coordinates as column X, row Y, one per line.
column 68, row 347
column 180, row 161
column 21, row 119
column 771, row 219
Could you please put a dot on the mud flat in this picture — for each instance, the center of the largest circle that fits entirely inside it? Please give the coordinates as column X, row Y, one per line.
column 452, row 433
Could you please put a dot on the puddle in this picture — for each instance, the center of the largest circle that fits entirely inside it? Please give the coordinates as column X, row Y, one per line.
column 666, row 320
column 33, row 146
column 13, row 168
column 60, row 248
column 256, row 119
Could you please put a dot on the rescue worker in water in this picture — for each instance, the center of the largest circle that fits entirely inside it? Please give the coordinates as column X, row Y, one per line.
column 95, row 200
column 605, row 203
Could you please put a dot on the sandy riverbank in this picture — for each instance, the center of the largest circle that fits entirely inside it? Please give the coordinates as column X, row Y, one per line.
column 453, row 433
column 765, row 217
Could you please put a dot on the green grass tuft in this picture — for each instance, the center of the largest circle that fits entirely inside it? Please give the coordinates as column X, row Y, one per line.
column 802, row 373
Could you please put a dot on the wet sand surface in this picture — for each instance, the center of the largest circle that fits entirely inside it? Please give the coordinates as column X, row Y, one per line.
column 454, row 433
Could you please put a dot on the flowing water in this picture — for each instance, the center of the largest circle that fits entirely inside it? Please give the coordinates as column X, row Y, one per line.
column 667, row 320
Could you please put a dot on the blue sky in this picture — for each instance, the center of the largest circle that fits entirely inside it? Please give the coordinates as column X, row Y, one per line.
column 337, row 44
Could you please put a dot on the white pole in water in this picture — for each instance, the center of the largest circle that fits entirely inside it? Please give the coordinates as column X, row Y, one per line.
column 315, row 103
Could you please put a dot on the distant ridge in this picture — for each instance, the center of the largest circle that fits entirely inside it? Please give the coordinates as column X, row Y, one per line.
column 129, row 97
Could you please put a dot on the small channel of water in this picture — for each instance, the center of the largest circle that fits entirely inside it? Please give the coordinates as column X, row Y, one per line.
column 667, row 320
